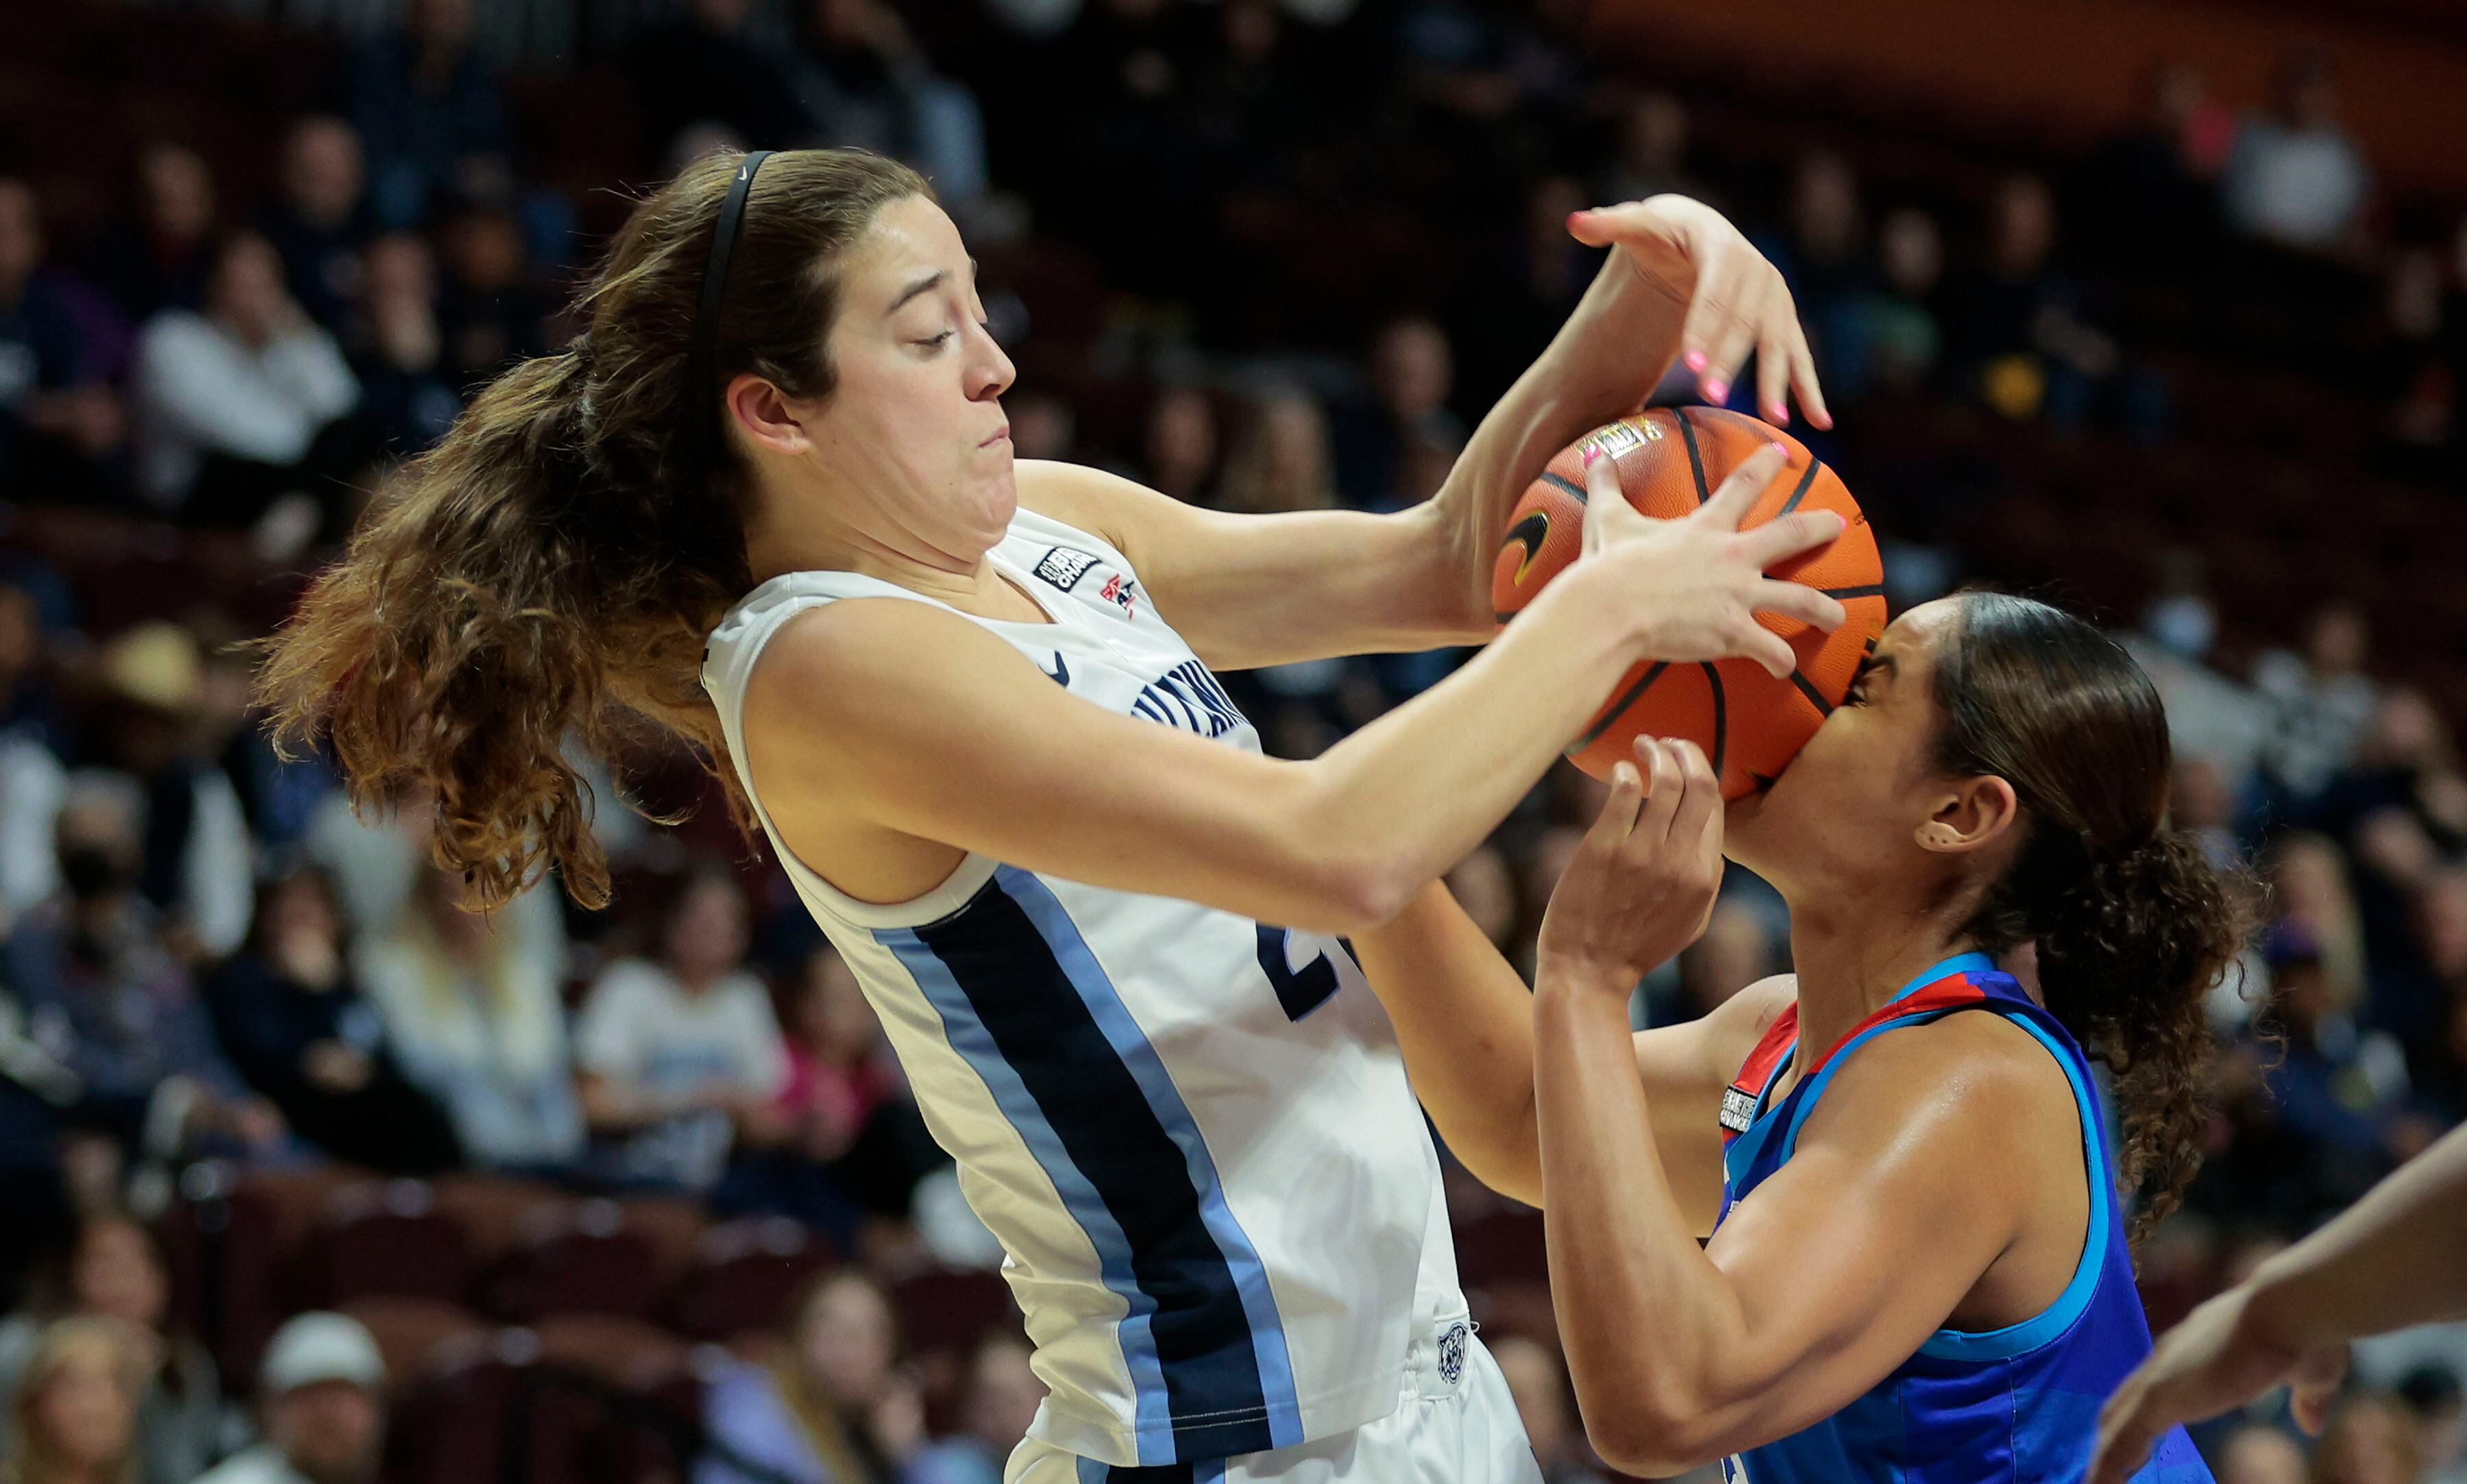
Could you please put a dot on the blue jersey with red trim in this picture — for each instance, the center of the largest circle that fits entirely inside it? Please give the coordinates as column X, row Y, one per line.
column 2014, row 1405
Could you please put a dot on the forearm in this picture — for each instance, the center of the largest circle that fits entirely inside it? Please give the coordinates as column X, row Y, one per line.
column 1465, row 1021
column 1605, row 360
column 1645, row 1316
column 1415, row 791
column 2390, row 1260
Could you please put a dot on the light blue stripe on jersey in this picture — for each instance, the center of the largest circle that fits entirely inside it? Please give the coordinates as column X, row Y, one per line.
column 1249, row 1275
column 1153, row 1426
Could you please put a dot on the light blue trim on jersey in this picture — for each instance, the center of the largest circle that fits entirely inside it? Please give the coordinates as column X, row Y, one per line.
column 1152, row 1429
column 1131, row 1043
column 2015, row 1339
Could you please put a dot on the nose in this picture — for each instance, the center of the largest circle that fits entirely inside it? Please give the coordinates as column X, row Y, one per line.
column 990, row 372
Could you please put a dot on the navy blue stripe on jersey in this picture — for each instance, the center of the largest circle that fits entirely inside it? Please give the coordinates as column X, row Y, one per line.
column 1189, row 697
column 1024, row 999
column 1206, row 1471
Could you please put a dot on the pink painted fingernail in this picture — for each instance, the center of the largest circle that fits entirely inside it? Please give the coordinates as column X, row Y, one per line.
column 1718, row 391
column 1779, row 414
column 1696, row 361
column 1591, row 454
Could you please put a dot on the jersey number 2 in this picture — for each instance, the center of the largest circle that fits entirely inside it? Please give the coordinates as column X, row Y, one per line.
column 1302, row 990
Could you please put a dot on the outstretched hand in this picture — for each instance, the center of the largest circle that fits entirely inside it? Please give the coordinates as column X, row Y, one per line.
column 2216, row 1359
column 1642, row 886
column 1736, row 300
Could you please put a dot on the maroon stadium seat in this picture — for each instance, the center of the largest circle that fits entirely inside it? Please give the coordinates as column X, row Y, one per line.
column 744, row 1276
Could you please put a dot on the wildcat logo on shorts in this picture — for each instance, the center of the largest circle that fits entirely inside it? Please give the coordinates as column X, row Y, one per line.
column 1064, row 566
column 1452, row 1354
column 1121, row 592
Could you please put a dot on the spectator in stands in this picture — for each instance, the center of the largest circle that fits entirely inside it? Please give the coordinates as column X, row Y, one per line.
column 427, row 107
column 1888, row 337
column 2437, row 1412
column 243, row 403
column 1526, row 291
column 850, row 1142
column 1284, row 461
column 321, row 222
column 197, row 864
column 476, row 1023
column 103, row 997
column 59, row 344
column 73, row 1419
column 2425, row 348
column 703, row 64
column 1413, row 371
column 861, row 79
column 2341, row 1089
column 2322, row 701
column 997, row 1401
column 2150, row 195
column 1539, row 1382
column 163, row 259
column 1181, row 444
column 397, row 343
column 2023, row 327
column 490, row 311
column 293, row 1019
column 111, row 1270
column 1652, row 157
column 833, row 1408
column 678, row 1052
column 1825, row 253
column 320, row 1395
column 2295, row 176
column 2367, row 1441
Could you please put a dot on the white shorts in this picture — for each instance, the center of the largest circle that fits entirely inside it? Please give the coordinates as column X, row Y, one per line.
column 1456, row 1424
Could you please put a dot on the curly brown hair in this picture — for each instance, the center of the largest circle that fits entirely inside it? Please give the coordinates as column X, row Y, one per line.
column 2132, row 923
column 554, row 565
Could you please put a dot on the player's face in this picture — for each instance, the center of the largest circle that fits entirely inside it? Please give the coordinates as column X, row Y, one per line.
column 1849, row 806
column 914, row 432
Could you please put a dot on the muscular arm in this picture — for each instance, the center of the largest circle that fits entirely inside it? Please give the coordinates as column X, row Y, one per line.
column 1253, row 589
column 1466, row 1021
column 872, row 718
column 1831, row 1274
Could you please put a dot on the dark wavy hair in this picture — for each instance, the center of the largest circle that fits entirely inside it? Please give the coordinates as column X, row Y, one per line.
column 555, row 563
column 2132, row 923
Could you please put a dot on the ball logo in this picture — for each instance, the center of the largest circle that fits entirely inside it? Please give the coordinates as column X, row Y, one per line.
column 1452, row 1354
column 1623, row 435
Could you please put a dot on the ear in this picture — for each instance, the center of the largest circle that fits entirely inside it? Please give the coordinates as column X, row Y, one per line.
column 1971, row 815
column 764, row 414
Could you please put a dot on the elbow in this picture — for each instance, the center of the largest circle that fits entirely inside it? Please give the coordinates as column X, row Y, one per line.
column 1650, row 1443
column 1354, row 895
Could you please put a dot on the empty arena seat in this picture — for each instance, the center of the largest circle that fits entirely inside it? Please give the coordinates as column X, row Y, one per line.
column 745, row 1275
column 948, row 1309
column 451, row 1418
column 573, row 1258
column 384, row 1238
column 412, row 1331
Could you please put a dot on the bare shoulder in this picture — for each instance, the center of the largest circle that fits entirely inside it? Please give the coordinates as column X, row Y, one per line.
column 864, row 658
column 1737, row 1024
column 1101, row 503
column 1948, row 1077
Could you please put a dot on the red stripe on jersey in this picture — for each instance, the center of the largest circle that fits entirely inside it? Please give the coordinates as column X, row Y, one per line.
column 1765, row 1061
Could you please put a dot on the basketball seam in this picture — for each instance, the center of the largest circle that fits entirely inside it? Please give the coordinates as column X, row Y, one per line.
column 1553, row 477
column 1695, row 459
column 1612, row 713
column 1870, row 589
column 1721, row 719
column 1815, row 697
column 1800, row 493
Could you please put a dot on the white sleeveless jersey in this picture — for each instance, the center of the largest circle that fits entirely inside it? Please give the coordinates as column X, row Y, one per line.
column 1191, row 1132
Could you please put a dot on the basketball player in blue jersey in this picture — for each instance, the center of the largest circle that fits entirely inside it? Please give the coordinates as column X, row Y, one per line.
column 1917, row 1264
column 768, row 501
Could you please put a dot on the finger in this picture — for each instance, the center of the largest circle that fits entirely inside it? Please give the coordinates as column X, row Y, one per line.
column 1774, row 368
column 1618, row 819
column 1803, row 376
column 1699, row 797
column 1737, row 336
column 1767, row 648
column 1786, row 599
column 2127, row 1427
column 1653, row 824
column 1739, row 490
column 2320, row 1373
column 1605, row 502
column 1709, row 315
column 1599, row 226
column 1786, row 536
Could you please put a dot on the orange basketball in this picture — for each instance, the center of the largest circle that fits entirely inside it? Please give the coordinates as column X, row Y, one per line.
column 1669, row 462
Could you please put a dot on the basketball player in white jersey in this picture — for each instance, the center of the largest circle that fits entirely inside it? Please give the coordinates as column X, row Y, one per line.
column 769, row 502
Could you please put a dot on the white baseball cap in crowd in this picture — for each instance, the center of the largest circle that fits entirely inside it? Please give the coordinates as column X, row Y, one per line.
column 319, row 1346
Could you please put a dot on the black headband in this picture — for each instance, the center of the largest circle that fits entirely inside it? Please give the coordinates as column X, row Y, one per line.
column 704, row 349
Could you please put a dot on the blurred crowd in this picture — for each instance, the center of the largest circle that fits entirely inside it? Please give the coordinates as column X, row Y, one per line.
column 1261, row 257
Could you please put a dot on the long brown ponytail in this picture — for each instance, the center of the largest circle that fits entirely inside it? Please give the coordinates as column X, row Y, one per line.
column 553, row 565
column 2131, row 923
